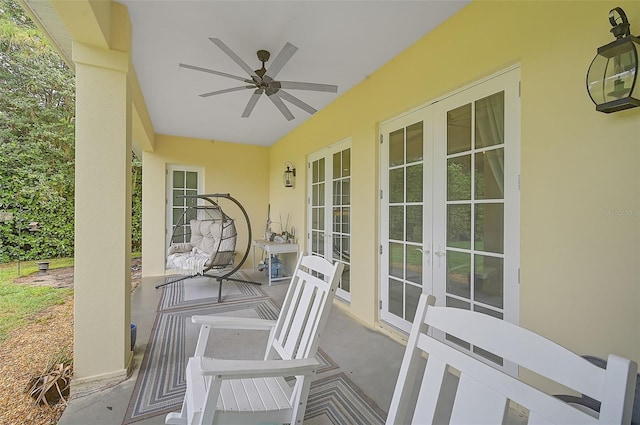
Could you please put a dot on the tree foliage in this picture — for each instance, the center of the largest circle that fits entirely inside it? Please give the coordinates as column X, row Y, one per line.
column 136, row 206
column 36, row 141
column 37, row 137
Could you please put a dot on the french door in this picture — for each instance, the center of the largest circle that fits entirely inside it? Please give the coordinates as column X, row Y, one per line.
column 450, row 205
column 181, row 181
column 329, row 209
column 406, row 217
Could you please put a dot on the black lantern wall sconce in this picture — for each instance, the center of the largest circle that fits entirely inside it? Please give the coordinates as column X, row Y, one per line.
column 612, row 79
column 289, row 177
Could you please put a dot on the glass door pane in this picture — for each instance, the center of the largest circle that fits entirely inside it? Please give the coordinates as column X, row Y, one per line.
column 184, row 183
column 341, row 217
column 404, row 209
column 318, row 207
column 475, row 208
column 330, row 209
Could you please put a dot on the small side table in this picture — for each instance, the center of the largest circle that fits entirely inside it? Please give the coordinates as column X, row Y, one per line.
column 273, row 248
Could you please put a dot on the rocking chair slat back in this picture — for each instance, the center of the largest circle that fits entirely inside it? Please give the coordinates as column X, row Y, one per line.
column 303, row 312
column 460, row 388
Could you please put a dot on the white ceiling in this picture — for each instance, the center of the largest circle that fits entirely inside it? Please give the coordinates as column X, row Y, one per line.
column 339, row 42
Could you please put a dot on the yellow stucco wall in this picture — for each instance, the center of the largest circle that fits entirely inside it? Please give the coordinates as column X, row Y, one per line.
column 580, row 196
column 237, row 169
column 102, row 178
column 580, row 193
column 103, row 136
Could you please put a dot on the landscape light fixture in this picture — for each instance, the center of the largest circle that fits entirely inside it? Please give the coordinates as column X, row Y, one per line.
column 612, row 79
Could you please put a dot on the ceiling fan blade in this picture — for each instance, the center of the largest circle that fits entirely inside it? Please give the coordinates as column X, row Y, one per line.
column 233, row 56
column 211, row 71
column 296, row 85
column 281, row 106
column 213, row 93
column 252, row 103
column 281, row 60
column 295, row 101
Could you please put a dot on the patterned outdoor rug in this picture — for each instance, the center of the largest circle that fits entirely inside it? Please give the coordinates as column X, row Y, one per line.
column 337, row 400
column 161, row 383
column 203, row 290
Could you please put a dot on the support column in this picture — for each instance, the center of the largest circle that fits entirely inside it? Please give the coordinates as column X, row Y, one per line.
column 102, row 214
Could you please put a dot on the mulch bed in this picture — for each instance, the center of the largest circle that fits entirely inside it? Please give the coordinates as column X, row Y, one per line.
column 57, row 278
column 27, row 353
column 29, row 350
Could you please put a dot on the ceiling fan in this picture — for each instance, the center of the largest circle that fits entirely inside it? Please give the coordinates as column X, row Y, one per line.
column 263, row 81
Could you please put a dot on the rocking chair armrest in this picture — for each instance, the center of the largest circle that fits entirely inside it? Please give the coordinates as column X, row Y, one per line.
column 220, row 322
column 239, row 369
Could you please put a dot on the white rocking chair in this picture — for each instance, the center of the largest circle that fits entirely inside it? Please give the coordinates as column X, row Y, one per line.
column 255, row 391
column 482, row 392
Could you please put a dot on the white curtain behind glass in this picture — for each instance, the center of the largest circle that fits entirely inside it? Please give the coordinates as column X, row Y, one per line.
column 490, row 132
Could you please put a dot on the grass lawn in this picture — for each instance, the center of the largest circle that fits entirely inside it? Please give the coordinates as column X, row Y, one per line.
column 20, row 302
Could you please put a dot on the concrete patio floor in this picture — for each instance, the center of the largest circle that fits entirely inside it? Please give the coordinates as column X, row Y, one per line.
column 369, row 358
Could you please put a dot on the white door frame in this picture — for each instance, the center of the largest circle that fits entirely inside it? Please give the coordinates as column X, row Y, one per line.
column 424, row 116
column 327, row 153
column 508, row 81
column 169, row 195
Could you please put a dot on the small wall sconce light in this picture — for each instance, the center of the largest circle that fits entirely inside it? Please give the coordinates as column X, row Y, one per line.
column 289, row 177
column 612, row 79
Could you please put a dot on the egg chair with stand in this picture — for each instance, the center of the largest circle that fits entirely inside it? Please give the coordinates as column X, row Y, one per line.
column 204, row 240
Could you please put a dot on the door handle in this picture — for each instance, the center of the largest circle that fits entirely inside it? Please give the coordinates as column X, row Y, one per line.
column 440, row 253
column 427, row 252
